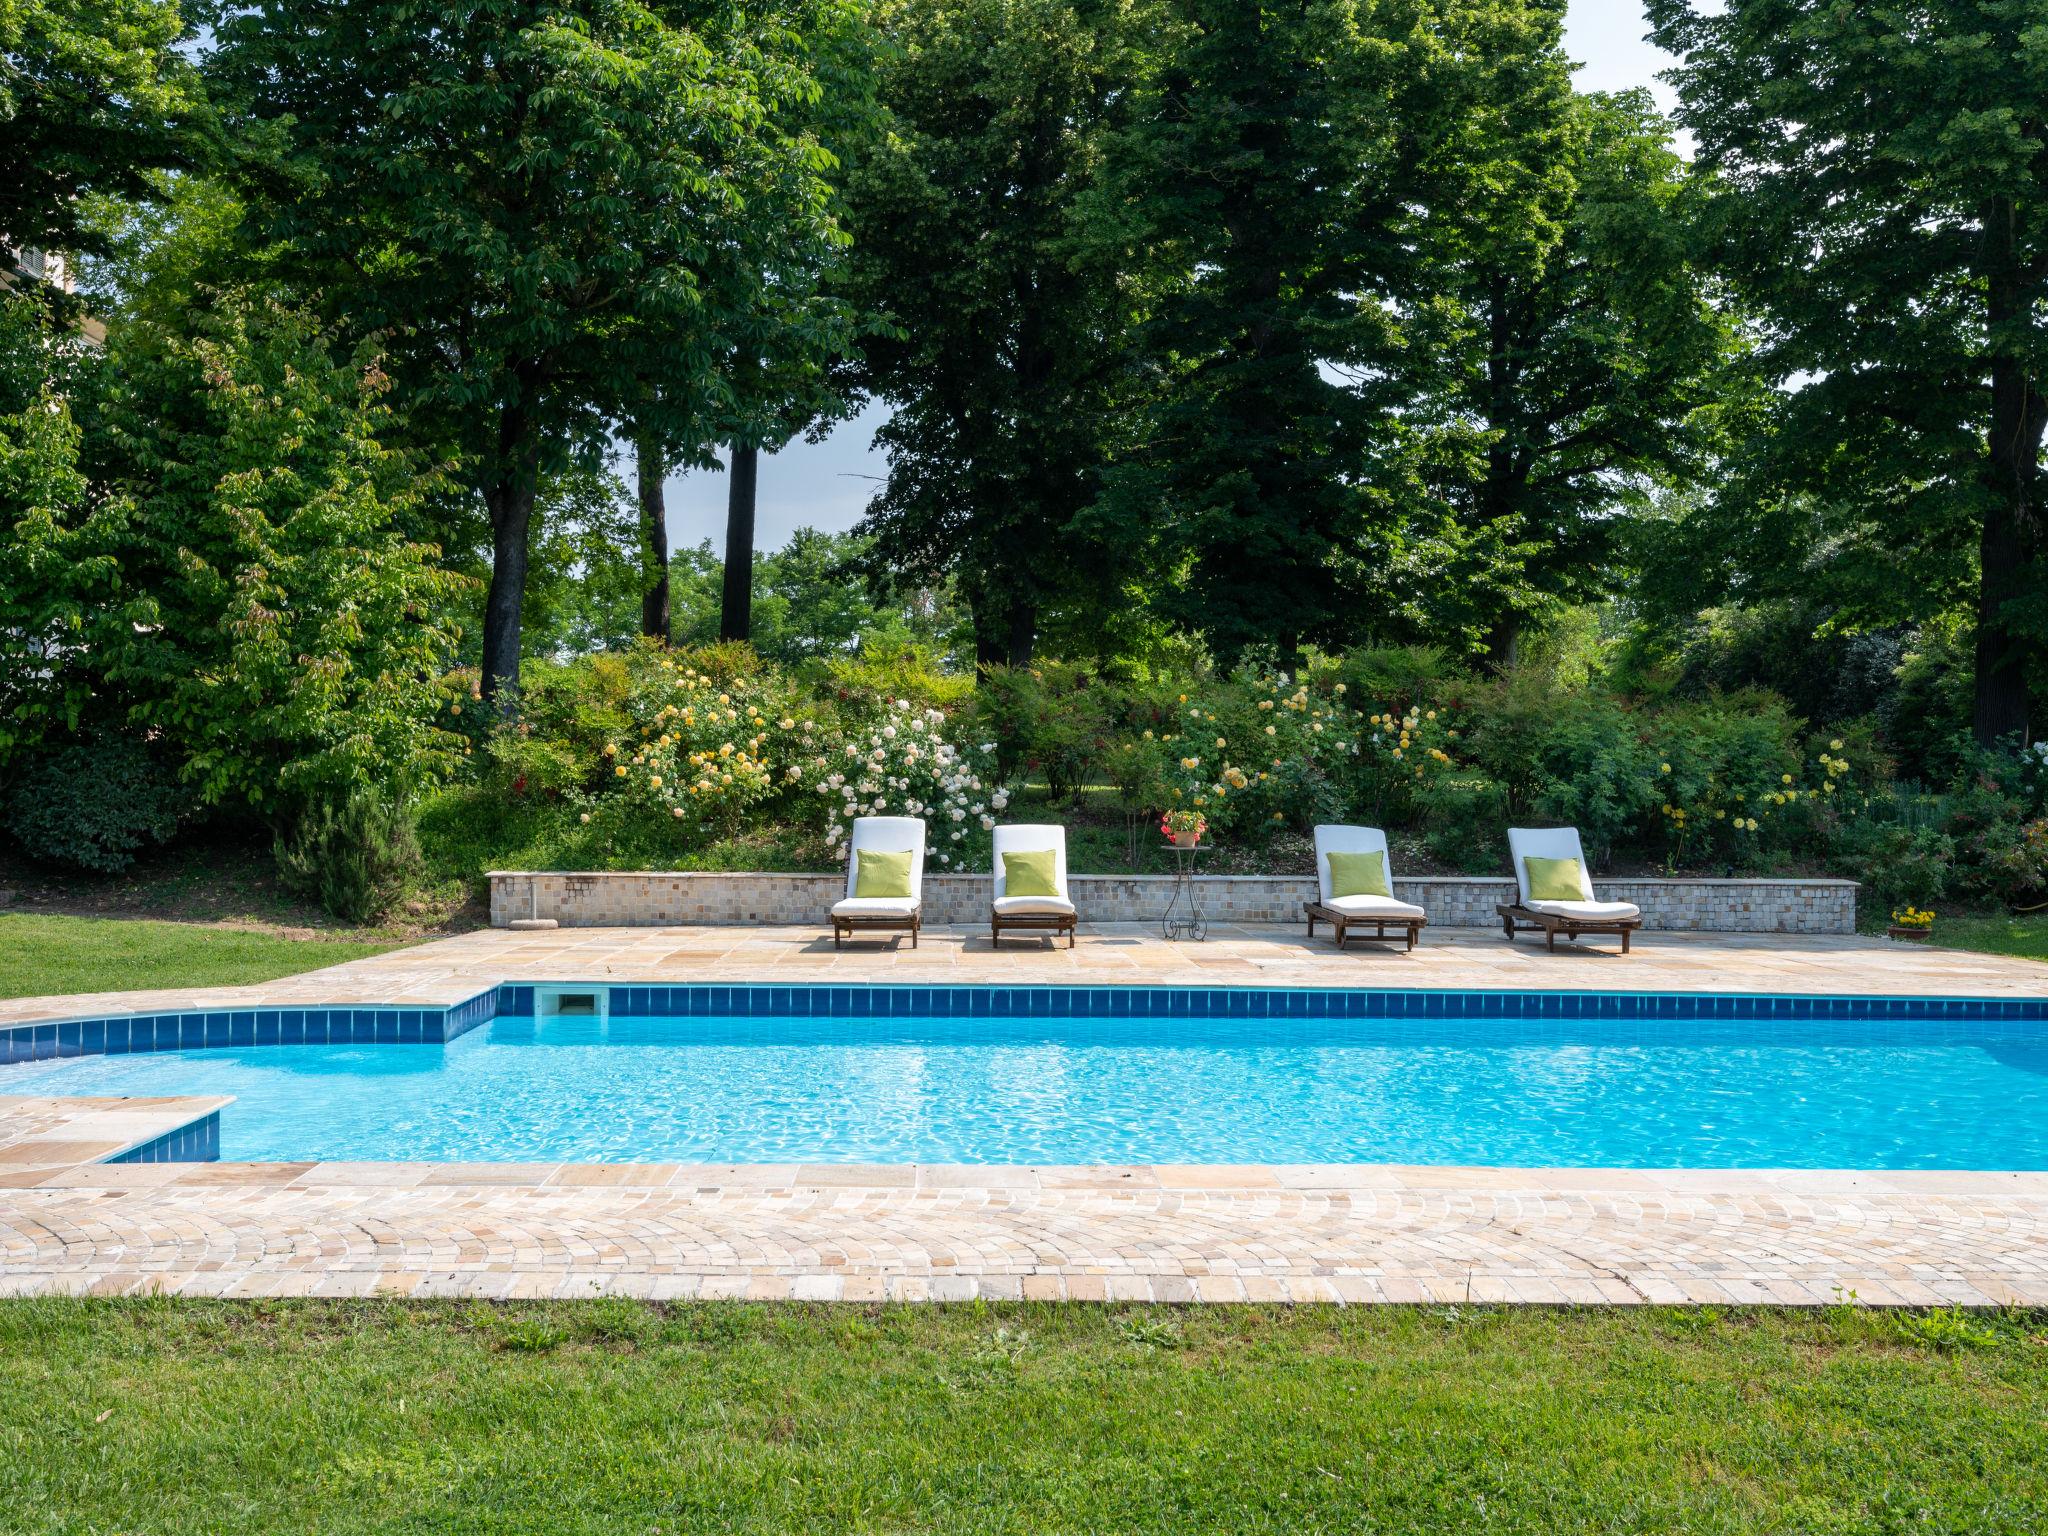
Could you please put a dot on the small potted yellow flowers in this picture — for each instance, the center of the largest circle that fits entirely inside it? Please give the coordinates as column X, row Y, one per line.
column 1911, row 923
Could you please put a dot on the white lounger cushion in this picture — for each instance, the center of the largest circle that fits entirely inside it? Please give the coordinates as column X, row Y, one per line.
column 1335, row 837
column 1587, row 911
column 1373, row 906
column 875, row 906
column 886, row 834
column 1015, row 906
column 1026, row 837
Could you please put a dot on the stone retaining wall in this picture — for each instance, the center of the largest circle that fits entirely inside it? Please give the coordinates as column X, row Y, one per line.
column 629, row 900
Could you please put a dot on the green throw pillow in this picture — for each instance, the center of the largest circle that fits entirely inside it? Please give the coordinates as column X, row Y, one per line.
column 1031, row 874
column 1358, row 874
column 1554, row 880
column 881, row 874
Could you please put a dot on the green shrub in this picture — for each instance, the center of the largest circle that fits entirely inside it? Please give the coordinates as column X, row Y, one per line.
column 2001, row 854
column 1404, row 676
column 95, row 805
column 882, row 671
column 1466, row 825
column 1899, row 865
column 354, row 855
column 1576, row 759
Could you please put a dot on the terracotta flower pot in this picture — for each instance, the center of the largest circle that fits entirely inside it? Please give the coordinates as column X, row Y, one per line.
column 1185, row 839
column 1911, row 935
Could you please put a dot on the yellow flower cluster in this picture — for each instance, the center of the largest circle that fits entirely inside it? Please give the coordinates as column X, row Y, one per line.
column 1910, row 916
column 706, row 750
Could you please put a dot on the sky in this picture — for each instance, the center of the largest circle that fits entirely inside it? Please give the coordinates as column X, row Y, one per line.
column 827, row 485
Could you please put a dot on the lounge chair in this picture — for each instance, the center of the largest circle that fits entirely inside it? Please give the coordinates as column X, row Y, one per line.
column 1051, row 915
column 882, row 835
column 1343, row 913
column 1552, row 914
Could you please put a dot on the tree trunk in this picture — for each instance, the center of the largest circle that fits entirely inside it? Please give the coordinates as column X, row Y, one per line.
column 654, row 612
column 2010, row 538
column 2001, row 707
column 736, row 613
column 1504, row 640
column 511, row 508
column 1023, row 632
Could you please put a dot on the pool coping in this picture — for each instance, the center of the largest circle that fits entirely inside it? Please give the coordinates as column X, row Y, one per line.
column 65, row 1132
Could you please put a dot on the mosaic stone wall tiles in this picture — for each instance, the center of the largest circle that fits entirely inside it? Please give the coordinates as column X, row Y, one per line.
column 625, row 899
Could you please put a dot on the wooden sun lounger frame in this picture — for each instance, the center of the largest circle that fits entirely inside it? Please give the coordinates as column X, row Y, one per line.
column 1341, row 922
column 843, row 927
column 1053, row 923
column 1516, row 918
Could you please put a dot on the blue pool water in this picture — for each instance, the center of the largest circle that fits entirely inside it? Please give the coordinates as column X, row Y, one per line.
column 1900, row 1093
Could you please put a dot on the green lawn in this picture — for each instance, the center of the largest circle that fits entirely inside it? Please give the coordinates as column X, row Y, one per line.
column 2026, row 936
column 44, row 956
column 163, row 1416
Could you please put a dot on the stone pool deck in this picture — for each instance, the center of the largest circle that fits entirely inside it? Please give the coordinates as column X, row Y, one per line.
column 1365, row 1233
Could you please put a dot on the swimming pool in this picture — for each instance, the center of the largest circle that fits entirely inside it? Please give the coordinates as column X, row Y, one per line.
column 1085, row 1075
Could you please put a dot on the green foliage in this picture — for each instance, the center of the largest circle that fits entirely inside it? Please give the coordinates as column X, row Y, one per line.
column 981, row 230
column 1577, row 760
column 96, row 97
column 1553, row 383
column 94, row 804
column 223, row 567
column 261, row 611
column 1882, row 200
column 1899, row 864
column 586, row 231
column 858, row 682
column 46, row 580
column 354, row 854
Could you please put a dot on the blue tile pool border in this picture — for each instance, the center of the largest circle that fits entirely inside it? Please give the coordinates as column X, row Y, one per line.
column 198, row 1142
column 368, row 1025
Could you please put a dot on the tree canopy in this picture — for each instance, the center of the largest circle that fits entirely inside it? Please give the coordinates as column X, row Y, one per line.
column 556, row 215
column 95, row 100
column 1884, row 205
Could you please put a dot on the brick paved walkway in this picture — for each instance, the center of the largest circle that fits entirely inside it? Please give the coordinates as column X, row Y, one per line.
column 1350, row 1234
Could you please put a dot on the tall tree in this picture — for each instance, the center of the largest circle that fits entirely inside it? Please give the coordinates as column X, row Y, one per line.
column 560, row 213
column 95, row 97
column 736, row 603
column 650, row 470
column 1558, row 382
column 1885, row 169
column 1297, row 157
column 980, row 226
